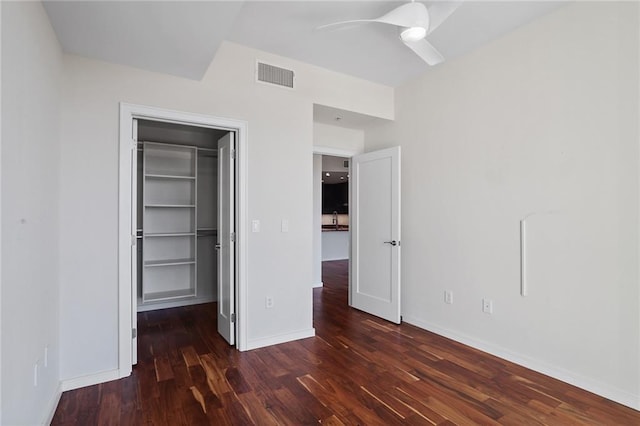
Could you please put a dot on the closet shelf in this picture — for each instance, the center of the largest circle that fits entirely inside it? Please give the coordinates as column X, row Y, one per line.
column 169, row 262
column 166, row 295
column 161, row 176
column 170, row 200
column 170, row 234
column 170, row 206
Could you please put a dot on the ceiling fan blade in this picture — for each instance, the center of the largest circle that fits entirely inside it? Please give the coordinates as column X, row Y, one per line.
column 407, row 15
column 355, row 21
column 440, row 11
column 426, row 51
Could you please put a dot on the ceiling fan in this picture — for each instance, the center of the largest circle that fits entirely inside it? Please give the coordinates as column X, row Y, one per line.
column 415, row 22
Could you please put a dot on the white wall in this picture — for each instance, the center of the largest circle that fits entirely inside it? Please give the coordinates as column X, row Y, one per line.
column 544, row 119
column 317, row 220
column 31, row 66
column 341, row 138
column 279, row 187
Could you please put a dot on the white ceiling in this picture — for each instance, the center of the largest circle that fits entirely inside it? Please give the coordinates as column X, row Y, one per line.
column 171, row 37
column 181, row 37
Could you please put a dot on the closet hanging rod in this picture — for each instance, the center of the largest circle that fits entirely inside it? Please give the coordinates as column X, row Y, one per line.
column 167, row 144
column 144, row 141
column 211, row 150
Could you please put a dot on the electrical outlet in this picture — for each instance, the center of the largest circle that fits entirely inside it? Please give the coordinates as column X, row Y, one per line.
column 448, row 297
column 487, row 306
column 268, row 302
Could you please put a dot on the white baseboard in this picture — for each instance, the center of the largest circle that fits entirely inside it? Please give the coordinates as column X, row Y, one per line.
column 52, row 405
column 90, row 380
column 317, row 285
column 280, row 338
column 622, row 397
column 174, row 304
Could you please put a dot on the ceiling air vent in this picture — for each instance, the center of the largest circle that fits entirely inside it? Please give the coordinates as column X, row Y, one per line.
column 275, row 75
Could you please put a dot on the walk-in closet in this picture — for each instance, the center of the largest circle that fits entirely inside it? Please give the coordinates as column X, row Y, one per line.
column 177, row 205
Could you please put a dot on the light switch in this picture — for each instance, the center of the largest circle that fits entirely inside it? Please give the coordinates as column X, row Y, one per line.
column 255, row 226
column 285, row 225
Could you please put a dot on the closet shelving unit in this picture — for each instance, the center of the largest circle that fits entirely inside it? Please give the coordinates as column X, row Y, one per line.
column 169, row 218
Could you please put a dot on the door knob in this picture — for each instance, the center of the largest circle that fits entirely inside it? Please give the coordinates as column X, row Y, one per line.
column 392, row 242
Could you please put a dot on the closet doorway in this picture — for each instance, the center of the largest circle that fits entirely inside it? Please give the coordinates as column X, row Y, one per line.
column 184, row 180
column 176, row 223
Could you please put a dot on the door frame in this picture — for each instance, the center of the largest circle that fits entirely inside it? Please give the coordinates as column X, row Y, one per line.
column 346, row 153
column 127, row 287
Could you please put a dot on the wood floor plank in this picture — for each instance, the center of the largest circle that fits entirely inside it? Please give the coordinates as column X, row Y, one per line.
column 306, row 399
column 109, row 410
column 421, row 411
column 329, row 399
column 357, row 370
column 190, row 356
column 256, row 410
column 236, row 380
column 163, row 368
column 457, row 408
column 215, row 376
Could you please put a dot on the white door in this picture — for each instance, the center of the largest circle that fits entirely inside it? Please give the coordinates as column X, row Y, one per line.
column 226, row 238
column 375, row 233
column 134, row 244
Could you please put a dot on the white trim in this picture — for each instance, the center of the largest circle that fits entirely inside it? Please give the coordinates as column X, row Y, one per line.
column 135, row 242
column 174, row 304
column 52, row 405
column 1, row 230
column 638, row 240
column 125, row 285
column 124, row 242
column 242, row 234
column 336, row 152
column 89, row 380
column 280, row 338
column 599, row 388
column 318, row 285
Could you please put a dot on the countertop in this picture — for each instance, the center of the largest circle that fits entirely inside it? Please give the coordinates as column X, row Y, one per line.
column 332, row 228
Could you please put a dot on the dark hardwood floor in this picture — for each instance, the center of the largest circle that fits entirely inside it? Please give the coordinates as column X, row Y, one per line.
column 358, row 370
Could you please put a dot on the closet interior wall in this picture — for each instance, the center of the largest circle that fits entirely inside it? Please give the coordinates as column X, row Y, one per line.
column 191, row 153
